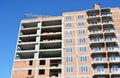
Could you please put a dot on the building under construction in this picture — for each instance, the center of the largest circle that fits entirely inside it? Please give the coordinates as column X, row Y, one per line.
column 82, row 44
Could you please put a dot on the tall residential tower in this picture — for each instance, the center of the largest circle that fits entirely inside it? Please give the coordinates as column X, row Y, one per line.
column 82, row 44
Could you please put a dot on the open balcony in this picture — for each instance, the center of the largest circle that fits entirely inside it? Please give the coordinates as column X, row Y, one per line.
column 55, row 53
column 109, row 31
column 106, row 14
column 98, row 50
column 94, row 24
column 115, row 70
column 55, row 73
column 28, row 32
column 99, row 59
column 25, row 55
column 108, row 22
column 55, row 63
column 112, row 49
column 93, row 14
column 27, row 40
column 111, row 40
column 32, row 25
column 52, row 23
column 51, row 31
column 114, row 59
column 96, row 40
column 50, row 45
column 101, row 70
column 26, row 47
column 94, row 32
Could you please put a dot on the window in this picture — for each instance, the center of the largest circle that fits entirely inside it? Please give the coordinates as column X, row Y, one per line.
column 112, row 57
column 106, row 21
column 82, row 40
column 82, row 49
column 68, row 17
column 68, row 25
column 109, row 38
column 115, row 68
column 30, row 62
column 83, row 58
column 68, row 41
column 94, row 22
column 81, row 31
column 95, row 31
column 111, row 47
column 96, row 39
column 97, row 48
column 69, row 59
column 68, row 32
column 92, row 15
column 100, row 68
column 41, row 72
column 84, row 68
column 108, row 30
column 29, row 72
column 68, row 50
column 80, row 16
column 42, row 62
column 69, row 69
column 80, row 23
column 99, row 58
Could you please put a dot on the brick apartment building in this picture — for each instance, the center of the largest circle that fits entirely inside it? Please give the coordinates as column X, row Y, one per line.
column 82, row 44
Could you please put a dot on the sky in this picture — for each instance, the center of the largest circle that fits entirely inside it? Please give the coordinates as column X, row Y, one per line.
column 12, row 12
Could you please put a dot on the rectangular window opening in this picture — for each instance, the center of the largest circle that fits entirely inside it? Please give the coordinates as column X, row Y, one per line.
column 29, row 72
column 41, row 72
column 30, row 62
column 42, row 62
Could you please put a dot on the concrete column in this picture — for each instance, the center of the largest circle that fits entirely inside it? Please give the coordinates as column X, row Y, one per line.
column 36, row 55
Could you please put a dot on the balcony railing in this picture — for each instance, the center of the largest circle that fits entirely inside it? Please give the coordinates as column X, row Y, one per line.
column 109, row 31
column 104, row 72
column 114, row 59
column 97, row 41
column 106, row 14
column 99, row 62
column 98, row 51
column 113, row 49
column 93, row 16
column 107, row 22
column 111, row 40
column 116, row 72
column 95, row 32
column 94, row 24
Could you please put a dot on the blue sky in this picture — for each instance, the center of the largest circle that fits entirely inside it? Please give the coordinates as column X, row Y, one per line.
column 12, row 11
